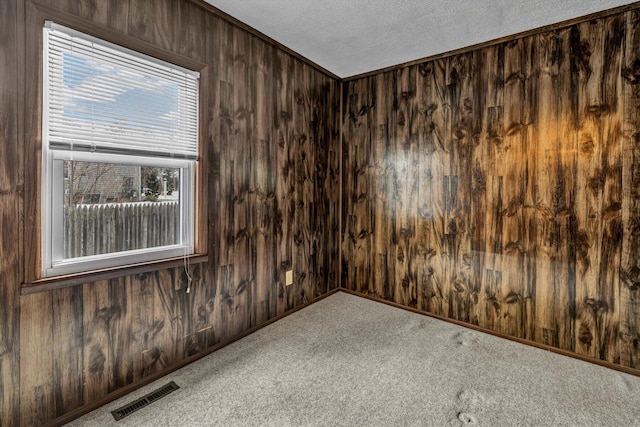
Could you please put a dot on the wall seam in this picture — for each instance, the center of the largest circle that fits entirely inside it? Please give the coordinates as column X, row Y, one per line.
column 341, row 192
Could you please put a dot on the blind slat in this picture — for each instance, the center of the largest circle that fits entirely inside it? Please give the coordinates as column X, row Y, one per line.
column 124, row 141
column 56, row 62
column 100, row 108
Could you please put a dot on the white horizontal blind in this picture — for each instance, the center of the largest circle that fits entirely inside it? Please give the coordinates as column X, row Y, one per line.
column 101, row 97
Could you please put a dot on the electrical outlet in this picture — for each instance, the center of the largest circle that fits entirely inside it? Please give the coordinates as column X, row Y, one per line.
column 289, row 278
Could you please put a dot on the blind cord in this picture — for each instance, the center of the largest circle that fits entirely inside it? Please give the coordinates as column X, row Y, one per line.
column 186, row 247
column 186, row 271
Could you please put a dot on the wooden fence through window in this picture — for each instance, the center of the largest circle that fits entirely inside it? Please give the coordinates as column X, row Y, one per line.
column 97, row 229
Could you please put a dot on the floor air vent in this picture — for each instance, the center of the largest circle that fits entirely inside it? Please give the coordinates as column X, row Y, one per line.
column 145, row 400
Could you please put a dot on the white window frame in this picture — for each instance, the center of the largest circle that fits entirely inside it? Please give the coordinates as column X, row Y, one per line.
column 53, row 261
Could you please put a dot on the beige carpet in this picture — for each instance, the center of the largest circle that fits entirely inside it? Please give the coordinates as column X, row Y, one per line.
column 348, row 361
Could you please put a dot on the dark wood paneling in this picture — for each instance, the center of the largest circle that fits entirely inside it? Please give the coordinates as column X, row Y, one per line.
column 153, row 22
column 514, row 163
column 285, row 187
column 113, row 14
column 495, row 187
column 37, row 393
column 333, row 185
column 270, row 167
column 405, row 121
column 97, row 321
column 263, row 184
column 68, row 337
column 600, row 144
column 630, row 261
column 424, row 254
column 190, row 41
column 32, row 92
column 10, row 211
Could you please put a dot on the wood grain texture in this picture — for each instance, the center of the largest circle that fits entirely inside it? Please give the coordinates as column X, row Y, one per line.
column 406, row 121
column 498, row 187
column 359, row 113
column 600, row 158
column 36, row 386
column 32, row 135
column 153, row 22
column 460, row 91
column 11, row 184
column 514, row 161
column 270, row 171
column 110, row 13
column 427, row 282
column 630, row 260
column 501, row 184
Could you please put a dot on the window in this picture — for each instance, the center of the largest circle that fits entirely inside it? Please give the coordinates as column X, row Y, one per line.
column 120, row 145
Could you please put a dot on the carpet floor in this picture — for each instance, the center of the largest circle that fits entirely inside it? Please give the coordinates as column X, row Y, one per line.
column 349, row 361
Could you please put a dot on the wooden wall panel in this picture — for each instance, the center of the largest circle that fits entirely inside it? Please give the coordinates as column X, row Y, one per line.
column 285, row 185
column 190, row 41
column 36, row 385
column 153, row 22
column 359, row 113
column 487, row 188
column 544, row 241
column 423, row 245
column 328, row 185
column 503, row 181
column 440, row 166
column 67, row 315
column 300, row 163
column 407, row 186
column 457, row 184
column 263, row 184
column 271, row 173
column 630, row 260
column 530, row 73
column 113, row 14
column 600, row 162
column 382, row 186
column 11, row 184
column 97, row 320
column 514, row 163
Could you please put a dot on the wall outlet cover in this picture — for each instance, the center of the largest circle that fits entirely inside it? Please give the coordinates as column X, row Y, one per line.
column 289, row 278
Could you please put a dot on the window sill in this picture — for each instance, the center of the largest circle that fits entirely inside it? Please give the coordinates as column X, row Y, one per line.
column 58, row 282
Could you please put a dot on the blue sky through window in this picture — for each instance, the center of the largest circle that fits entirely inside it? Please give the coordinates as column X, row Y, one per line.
column 135, row 102
column 81, row 66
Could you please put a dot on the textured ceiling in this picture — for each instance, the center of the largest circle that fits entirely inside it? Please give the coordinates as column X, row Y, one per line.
column 356, row 36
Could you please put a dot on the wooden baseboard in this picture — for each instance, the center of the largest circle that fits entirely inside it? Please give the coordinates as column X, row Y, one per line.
column 77, row 413
column 562, row 352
